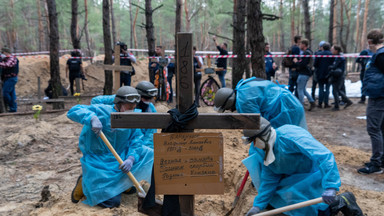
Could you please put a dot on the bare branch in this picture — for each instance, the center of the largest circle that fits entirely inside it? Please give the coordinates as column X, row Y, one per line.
column 219, row 36
column 138, row 6
column 194, row 14
column 270, row 17
column 157, row 8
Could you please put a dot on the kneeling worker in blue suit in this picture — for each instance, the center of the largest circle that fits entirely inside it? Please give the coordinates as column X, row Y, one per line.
column 103, row 179
column 295, row 168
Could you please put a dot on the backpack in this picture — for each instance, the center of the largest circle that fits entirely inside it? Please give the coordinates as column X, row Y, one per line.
column 288, row 61
column 74, row 65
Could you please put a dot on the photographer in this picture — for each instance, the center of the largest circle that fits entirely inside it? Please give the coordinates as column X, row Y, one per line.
column 126, row 58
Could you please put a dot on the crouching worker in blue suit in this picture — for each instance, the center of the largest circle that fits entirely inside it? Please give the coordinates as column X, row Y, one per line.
column 147, row 92
column 296, row 168
column 104, row 180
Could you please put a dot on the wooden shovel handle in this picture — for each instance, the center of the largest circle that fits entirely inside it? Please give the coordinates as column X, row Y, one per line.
column 291, row 207
column 130, row 175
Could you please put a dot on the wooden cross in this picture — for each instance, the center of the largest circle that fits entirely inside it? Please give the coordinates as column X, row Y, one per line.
column 184, row 101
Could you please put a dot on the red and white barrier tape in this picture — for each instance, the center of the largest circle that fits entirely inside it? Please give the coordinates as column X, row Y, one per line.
column 41, row 52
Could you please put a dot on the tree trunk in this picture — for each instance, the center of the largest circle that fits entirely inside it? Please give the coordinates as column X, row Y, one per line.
column 282, row 44
column 256, row 37
column 334, row 32
column 54, row 53
column 113, row 23
column 307, row 21
column 299, row 23
column 342, row 42
column 108, row 85
column 41, row 32
column 239, row 41
column 357, row 48
column 134, row 27
column 187, row 21
column 293, row 6
column 86, row 28
column 74, row 27
column 364, row 33
column 47, row 19
column 331, row 15
column 132, row 24
column 149, row 28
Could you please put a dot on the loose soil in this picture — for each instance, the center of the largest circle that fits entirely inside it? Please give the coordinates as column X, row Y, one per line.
column 35, row 154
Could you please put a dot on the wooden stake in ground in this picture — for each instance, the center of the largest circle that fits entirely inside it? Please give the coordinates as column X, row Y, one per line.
column 184, row 101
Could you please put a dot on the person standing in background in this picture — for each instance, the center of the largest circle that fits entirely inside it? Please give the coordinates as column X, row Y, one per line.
column 221, row 62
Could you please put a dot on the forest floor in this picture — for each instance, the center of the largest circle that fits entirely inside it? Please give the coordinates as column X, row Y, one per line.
column 45, row 153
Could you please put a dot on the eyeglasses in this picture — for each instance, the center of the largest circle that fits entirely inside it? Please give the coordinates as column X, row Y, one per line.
column 131, row 98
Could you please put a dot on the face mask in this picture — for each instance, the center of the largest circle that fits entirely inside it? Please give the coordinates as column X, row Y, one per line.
column 128, row 111
column 259, row 143
column 147, row 102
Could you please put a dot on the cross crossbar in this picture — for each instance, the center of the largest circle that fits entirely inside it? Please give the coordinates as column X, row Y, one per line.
column 202, row 121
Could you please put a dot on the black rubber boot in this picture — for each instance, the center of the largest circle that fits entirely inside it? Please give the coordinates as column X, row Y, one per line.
column 346, row 203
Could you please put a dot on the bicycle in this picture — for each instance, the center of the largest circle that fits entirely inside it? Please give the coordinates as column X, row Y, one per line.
column 210, row 86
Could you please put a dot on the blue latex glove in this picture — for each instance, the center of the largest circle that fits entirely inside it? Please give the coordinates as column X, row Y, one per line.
column 329, row 196
column 252, row 211
column 96, row 125
column 127, row 164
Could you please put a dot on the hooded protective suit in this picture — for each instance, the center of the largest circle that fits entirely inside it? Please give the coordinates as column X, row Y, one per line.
column 302, row 170
column 102, row 178
column 278, row 105
column 148, row 133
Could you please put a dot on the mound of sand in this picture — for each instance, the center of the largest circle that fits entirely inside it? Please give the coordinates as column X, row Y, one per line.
column 32, row 68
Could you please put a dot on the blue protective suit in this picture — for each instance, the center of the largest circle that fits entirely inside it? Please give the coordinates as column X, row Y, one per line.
column 148, row 133
column 102, row 178
column 103, row 99
column 278, row 105
column 303, row 169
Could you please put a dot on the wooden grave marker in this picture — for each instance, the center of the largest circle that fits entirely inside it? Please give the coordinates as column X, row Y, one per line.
column 202, row 121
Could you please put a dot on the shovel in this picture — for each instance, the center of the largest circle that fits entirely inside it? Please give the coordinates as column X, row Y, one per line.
column 291, row 207
column 130, row 175
column 238, row 193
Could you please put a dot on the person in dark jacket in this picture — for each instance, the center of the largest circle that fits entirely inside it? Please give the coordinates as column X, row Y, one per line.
column 75, row 68
column 304, row 71
column 363, row 63
column 270, row 65
column 221, row 62
column 373, row 87
column 321, row 66
column 337, row 74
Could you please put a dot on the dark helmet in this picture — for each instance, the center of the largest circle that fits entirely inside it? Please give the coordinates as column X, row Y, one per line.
column 224, row 99
column 146, row 89
column 122, row 45
column 127, row 94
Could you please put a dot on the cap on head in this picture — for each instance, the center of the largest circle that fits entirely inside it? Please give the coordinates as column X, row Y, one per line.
column 5, row 50
column 321, row 44
column 224, row 99
column 146, row 89
column 127, row 94
column 265, row 127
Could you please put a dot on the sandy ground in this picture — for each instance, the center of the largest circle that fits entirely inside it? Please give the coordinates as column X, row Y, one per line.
column 45, row 153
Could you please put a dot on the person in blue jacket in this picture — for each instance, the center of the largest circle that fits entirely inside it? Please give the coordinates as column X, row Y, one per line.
column 296, row 168
column 103, row 180
column 270, row 65
column 147, row 92
column 254, row 95
column 373, row 87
